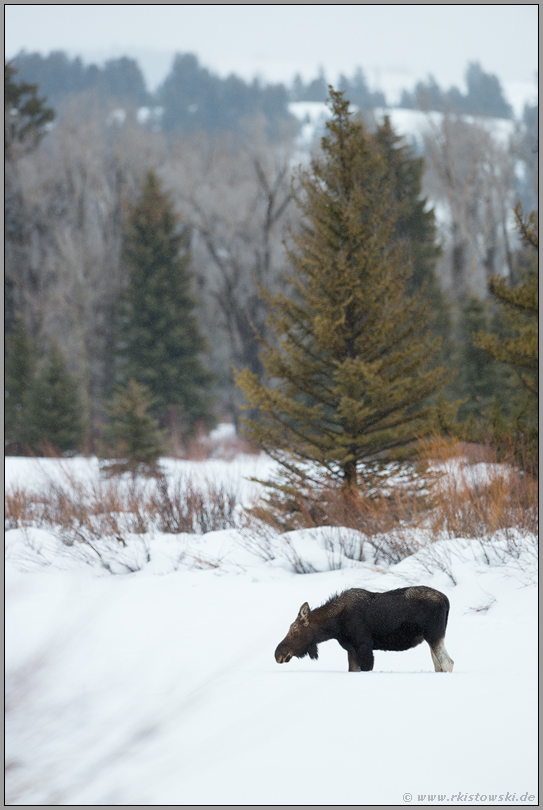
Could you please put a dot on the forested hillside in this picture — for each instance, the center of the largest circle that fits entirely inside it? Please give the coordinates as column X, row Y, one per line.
column 80, row 141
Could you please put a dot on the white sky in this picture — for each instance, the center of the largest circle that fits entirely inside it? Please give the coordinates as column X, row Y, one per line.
column 394, row 44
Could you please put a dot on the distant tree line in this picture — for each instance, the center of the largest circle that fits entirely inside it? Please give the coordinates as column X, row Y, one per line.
column 59, row 77
column 136, row 265
column 193, row 98
column 356, row 90
column 484, row 96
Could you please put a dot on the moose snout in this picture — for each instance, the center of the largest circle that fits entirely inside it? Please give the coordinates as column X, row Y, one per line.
column 282, row 654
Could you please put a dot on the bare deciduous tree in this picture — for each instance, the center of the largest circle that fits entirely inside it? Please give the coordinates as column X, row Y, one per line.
column 237, row 201
column 470, row 176
column 66, row 270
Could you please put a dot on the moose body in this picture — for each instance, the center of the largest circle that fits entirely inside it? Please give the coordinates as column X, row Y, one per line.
column 363, row 621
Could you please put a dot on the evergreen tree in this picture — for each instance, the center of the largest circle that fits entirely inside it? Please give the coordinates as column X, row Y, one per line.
column 57, row 74
column 195, row 99
column 160, row 337
column 121, row 79
column 133, row 432
column 20, row 369
column 518, row 348
column 485, row 95
column 480, row 379
column 520, row 314
column 415, row 226
column 54, row 406
column 359, row 93
column 315, row 90
column 25, row 113
column 25, row 121
column 347, row 379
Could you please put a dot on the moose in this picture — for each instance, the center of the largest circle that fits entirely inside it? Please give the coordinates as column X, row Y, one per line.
column 363, row 621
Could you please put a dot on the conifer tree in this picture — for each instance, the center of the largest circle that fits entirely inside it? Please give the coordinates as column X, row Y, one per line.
column 25, row 121
column 20, row 369
column 518, row 349
column 480, row 378
column 54, row 406
column 347, row 379
column 160, row 338
column 520, row 310
column 25, row 113
column 415, row 225
column 133, row 432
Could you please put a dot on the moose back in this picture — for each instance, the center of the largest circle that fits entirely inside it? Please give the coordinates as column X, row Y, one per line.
column 363, row 621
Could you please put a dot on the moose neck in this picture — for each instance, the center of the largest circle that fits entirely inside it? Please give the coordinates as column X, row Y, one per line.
column 325, row 621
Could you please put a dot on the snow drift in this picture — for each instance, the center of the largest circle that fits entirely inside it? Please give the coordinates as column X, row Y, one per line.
column 160, row 686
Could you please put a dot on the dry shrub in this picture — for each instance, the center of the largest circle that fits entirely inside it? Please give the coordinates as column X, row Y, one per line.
column 184, row 507
column 457, row 490
column 20, row 507
column 475, row 501
column 384, row 510
column 99, row 516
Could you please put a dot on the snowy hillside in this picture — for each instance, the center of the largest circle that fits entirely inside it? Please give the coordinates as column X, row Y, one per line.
column 160, row 686
column 411, row 124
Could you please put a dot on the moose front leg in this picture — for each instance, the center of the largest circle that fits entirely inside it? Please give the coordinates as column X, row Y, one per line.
column 354, row 666
column 361, row 659
column 364, row 654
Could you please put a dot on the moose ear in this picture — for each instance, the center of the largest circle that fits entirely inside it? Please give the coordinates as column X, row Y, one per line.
column 304, row 614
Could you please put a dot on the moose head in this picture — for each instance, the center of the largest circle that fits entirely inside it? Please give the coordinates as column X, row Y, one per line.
column 300, row 639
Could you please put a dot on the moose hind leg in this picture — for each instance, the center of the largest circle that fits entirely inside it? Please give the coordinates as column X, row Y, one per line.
column 442, row 661
column 437, row 665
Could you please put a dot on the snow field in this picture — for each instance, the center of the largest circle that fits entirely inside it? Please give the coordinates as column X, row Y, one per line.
column 160, row 687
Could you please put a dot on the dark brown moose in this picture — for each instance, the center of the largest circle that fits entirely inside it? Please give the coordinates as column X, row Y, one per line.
column 363, row 621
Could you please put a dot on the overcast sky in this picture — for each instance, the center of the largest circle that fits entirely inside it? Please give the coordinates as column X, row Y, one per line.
column 394, row 44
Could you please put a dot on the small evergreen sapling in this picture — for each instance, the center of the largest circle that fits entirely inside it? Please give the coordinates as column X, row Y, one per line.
column 54, row 412
column 133, row 434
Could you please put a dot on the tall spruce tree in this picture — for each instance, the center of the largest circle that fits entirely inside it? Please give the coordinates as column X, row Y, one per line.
column 348, row 376
column 416, row 227
column 160, row 339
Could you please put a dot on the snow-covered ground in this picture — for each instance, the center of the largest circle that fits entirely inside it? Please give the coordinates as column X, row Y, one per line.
column 160, row 686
